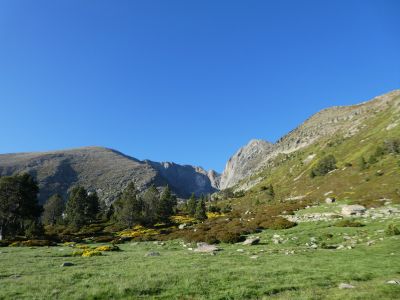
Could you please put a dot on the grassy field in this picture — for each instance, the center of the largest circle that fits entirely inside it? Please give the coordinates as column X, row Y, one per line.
column 287, row 269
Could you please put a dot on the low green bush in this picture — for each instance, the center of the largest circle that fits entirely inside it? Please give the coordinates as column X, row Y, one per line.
column 276, row 223
column 348, row 223
column 392, row 229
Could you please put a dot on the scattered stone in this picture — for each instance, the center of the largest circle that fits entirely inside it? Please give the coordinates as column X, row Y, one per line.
column 254, row 256
column 251, row 241
column 182, row 226
column 190, row 249
column 330, row 200
column 340, row 247
column 152, row 253
column 393, row 281
column 350, row 210
column 240, row 250
column 346, row 286
column 15, row 276
column 314, row 246
column 67, row 264
column 205, row 248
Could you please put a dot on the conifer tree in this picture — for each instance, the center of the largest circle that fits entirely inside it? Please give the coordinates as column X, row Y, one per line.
column 53, row 210
column 191, row 205
column 201, row 211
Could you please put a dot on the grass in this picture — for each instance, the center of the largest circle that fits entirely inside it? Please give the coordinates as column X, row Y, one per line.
column 182, row 274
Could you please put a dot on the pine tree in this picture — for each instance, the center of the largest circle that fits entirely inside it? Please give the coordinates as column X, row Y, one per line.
column 166, row 205
column 201, row 211
column 82, row 208
column 92, row 207
column 18, row 204
column 53, row 210
column 151, row 199
column 128, row 209
column 191, row 205
column 76, row 207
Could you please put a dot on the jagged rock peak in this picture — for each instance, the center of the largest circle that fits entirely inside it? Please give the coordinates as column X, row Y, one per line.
column 244, row 161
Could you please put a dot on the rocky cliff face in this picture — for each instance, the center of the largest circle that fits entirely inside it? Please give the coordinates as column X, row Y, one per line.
column 244, row 162
column 344, row 120
column 186, row 179
column 103, row 170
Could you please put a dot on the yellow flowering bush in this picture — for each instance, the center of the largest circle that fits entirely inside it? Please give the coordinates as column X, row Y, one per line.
column 90, row 253
column 212, row 215
column 138, row 231
column 182, row 219
column 107, row 248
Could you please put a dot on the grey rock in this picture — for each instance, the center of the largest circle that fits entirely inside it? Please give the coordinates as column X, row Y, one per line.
column 393, row 281
column 182, row 226
column 67, row 264
column 152, row 253
column 205, row 248
column 251, row 241
column 346, row 286
column 330, row 200
column 350, row 210
column 244, row 161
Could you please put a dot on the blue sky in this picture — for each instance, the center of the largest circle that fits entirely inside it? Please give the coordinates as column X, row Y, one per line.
column 185, row 81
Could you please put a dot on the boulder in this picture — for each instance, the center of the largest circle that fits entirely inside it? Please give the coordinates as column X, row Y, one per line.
column 251, row 241
column 393, row 282
column 152, row 253
column 182, row 226
column 205, row 248
column 330, row 200
column 67, row 264
column 346, row 286
column 350, row 210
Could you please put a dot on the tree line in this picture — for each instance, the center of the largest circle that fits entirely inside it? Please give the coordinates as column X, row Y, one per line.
column 21, row 214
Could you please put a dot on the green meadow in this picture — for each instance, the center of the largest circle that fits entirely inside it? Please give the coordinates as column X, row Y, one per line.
column 281, row 266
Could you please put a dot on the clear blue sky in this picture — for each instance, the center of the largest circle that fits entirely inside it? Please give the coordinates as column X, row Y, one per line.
column 185, row 81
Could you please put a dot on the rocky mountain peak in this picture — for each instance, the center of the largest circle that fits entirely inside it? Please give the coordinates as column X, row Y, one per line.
column 244, row 161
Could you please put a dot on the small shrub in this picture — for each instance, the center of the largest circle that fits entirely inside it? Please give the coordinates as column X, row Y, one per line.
column 324, row 166
column 348, row 223
column 392, row 229
column 214, row 209
column 276, row 223
column 229, row 237
column 77, row 253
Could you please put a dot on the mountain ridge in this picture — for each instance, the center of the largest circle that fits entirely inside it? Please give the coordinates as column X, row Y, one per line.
column 101, row 169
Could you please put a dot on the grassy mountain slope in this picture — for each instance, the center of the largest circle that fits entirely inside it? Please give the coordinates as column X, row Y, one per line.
column 290, row 173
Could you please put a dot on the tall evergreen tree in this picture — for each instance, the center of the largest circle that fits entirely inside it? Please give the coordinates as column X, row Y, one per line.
column 201, row 211
column 53, row 210
column 93, row 206
column 166, row 205
column 18, row 204
column 151, row 200
column 128, row 209
column 191, row 205
column 81, row 208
